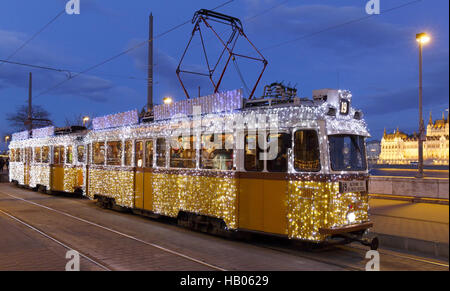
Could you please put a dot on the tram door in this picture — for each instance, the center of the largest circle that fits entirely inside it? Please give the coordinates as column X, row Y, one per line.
column 27, row 166
column 143, row 198
column 139, row 178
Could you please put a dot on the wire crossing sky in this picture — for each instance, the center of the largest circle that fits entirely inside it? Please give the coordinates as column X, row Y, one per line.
column 314, row 44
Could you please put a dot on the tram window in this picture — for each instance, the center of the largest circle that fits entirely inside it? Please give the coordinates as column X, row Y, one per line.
column 69, row 155
column 183, row 156
column 12, row 155
column 58, row 155
column 306, row 151
column 149, row 153
column 214, row 154
column 17, row 155
column 139, row 152
column 114, row 153
column 347, row 153
column 80, row 154
column 37, row 155
column 99, row 153
column 28, row 155
column 161, row 152
column 280, row 162
column 128, row 152
column 45, row 154
column 88, row 154
column 252, row 154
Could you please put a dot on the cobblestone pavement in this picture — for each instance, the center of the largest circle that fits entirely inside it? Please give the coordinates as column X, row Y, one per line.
column 36, row 230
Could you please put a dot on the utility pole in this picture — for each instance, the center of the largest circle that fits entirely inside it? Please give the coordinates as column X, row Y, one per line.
column 30, row 116
column 150, row 66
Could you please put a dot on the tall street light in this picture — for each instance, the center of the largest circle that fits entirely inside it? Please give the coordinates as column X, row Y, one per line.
column 85, row 120
column 422, row 38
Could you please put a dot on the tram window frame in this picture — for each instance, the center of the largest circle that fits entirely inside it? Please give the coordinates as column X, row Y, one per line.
column 114, row 159
column 148, row 157
column 45, row 158
column 128, row 147
column 37, row 155
column 88, row 154
column 182, row 161
column 60, row 156
column 69, row 155
column 286, row 144
column 139, row 154
column 258, row 162
column 99, row 159
column 18, row 155
column 308, row 151
column 81, row 158
column 161, row 157
column 28, row 155
column 223, row 139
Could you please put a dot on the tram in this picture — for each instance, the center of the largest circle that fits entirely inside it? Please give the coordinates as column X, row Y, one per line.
column 278, row 165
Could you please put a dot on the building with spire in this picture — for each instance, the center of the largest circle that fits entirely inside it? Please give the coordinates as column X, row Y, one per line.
column 401, row 148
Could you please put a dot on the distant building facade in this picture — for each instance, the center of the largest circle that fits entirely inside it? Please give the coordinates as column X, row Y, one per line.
column 400, row 148
column 373, row 149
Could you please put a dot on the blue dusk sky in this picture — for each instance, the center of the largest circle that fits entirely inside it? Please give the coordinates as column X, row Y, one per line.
column 311, row 43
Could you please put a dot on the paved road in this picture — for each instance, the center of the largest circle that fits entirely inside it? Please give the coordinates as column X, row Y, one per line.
column 408, row 172
column 38, row 229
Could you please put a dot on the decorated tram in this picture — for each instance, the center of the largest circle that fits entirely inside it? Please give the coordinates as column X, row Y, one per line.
column 279, row 165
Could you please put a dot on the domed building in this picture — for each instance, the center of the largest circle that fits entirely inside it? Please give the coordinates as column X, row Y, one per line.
column 401, row 148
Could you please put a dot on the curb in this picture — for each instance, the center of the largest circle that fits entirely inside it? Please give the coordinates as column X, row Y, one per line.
column 436, row 249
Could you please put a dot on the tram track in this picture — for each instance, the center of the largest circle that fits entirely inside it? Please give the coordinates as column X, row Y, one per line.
column 355, row 252
column 337, row 257
column 64, row 245
column 425, row 260
column 110, row 230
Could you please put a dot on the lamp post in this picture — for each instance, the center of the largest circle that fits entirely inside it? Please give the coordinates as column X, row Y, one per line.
column 85, row 120
column 422, row 38
column 168, row 100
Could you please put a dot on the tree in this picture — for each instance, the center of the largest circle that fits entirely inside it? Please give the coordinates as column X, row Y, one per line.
column 17, row 120
column 74, row 120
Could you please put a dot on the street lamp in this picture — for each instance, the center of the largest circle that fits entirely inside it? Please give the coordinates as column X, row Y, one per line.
column 422, row 38
column 6, row 139
column 167, row 100
column 85, row 120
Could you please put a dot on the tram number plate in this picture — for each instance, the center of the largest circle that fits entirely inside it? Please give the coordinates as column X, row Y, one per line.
column 352, row 186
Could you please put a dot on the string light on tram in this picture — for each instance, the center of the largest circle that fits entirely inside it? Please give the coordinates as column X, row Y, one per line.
column 313, row 200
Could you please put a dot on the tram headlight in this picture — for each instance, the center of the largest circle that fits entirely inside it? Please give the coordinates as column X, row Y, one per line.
column 351, row 217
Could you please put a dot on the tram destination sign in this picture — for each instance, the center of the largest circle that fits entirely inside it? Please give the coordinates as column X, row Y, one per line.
column 352, row 186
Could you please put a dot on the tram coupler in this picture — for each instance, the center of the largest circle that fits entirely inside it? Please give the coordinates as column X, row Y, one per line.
column 372, row 242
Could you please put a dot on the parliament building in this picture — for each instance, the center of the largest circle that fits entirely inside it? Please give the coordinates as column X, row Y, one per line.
column 400, row 148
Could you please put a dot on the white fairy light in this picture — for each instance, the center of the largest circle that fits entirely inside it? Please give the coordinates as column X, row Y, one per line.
column 313, row 199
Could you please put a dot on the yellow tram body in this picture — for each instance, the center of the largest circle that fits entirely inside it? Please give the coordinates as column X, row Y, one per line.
column 134, row 165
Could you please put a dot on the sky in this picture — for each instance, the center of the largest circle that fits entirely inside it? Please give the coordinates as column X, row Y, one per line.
column 312, row 44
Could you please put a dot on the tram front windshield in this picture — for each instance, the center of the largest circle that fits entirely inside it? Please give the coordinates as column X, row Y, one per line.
column 347, row 153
